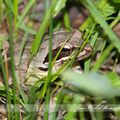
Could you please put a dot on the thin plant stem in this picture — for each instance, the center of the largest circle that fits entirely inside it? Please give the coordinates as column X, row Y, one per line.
column 47, row 83
column 14, row 80
column 5, row 78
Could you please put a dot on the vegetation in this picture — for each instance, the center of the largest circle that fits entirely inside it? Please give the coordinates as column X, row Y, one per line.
column 65, row 94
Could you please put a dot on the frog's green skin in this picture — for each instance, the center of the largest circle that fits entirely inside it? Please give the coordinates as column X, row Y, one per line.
column 39, row 63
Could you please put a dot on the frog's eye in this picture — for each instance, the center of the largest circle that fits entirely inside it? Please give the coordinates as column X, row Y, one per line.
column 65, row 50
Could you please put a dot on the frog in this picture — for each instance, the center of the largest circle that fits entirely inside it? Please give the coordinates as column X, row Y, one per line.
column 68, row 42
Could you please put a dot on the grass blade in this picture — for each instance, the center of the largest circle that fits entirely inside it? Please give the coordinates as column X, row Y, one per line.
column 15, row 12
column 1, row 10
column 100, row 20
column 26, row 10
column 14, row 80
column 53, row 10
column 5, row 77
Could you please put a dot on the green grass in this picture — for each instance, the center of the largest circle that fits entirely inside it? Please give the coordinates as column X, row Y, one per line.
column 65, row 87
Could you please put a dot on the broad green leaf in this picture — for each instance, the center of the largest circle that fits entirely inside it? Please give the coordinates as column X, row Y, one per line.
column 93, row 83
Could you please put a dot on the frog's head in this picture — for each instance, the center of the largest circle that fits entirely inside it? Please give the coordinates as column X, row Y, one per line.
column 66, row 49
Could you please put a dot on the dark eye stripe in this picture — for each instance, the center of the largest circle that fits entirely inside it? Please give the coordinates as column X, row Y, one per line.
column 64, row 53
column 65, row 50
